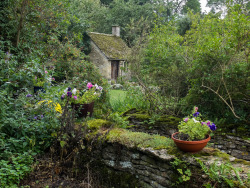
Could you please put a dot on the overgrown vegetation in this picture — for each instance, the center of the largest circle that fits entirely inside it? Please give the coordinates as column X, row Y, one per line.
column 179, row 59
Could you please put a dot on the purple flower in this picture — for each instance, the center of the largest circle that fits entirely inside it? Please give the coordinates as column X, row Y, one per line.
column 29, row 95
column 41, row 116
column 212, row 127
column 69, row 94
column 202, row 123
column 75, row 97
column 100, row 88
column 35, row 118
column 186, row 119
column 69, row 88
column 196, row 114
column 62, row 97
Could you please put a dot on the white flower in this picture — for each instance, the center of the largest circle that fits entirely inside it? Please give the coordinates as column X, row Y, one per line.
column 66, row 90
column 195, row 121
column 74, row 91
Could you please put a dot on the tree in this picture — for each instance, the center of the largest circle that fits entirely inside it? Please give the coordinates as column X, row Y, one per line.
column 193, row 5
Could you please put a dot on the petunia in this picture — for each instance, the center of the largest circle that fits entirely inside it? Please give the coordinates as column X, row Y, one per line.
column 69, row 88
column 195, row 120
column 202, row 123
column 196, row 109
column 212, row 127
column 74, row 91
column 69, row 94
column 89, row 85
column 100, row 88
column 186, row 119
column 46, row 72
column 208, row 123
column 75, row 97
column 66, row 90
column 62, row 97
column 196, row 114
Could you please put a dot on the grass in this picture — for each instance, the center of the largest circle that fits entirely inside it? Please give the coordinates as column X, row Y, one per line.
column 117, row 98
column 117, row 95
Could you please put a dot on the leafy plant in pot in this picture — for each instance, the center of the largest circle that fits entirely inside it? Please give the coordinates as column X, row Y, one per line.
column 193, row 133
column 82, row 100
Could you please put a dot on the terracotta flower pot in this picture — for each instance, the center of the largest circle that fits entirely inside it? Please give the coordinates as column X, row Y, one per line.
column 83, row 110
column 190, row 146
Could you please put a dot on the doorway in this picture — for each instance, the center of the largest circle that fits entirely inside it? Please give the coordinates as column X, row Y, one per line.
column 114, row 69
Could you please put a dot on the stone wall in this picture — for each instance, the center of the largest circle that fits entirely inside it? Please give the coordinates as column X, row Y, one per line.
column 233, row 145
column 153, row 168
column 99, row 59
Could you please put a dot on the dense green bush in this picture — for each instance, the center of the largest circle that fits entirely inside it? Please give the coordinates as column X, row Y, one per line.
column 208, row 66
column 25, row 129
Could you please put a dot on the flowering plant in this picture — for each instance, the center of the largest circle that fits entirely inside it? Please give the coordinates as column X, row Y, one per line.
column 83, row 96
column 45, row 78
column 194, row 128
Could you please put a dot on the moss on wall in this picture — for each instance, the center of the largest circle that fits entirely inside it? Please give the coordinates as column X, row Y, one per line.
column 138, row 139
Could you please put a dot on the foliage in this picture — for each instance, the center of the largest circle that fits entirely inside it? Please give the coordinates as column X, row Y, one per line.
column 25, row 129
column 222, row 172
column 133, row 98
column 194, row 127
column 182, row 169
column 208, row 65
column 119, row 121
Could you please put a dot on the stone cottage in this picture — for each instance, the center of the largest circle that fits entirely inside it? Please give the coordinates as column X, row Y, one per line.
column 108, row 53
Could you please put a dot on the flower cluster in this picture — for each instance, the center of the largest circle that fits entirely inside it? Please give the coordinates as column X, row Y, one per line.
column 51, row 104
column 84, row 96
column 45, row 78
column 194, row 127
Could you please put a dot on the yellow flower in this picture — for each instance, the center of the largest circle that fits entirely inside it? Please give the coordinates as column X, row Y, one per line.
column 51, row 104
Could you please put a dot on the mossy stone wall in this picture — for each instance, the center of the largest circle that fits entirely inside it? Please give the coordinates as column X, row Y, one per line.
column 234, row 145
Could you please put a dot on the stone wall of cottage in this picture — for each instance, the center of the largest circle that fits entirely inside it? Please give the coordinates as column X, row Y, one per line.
column 146, row 167
column 99, row 59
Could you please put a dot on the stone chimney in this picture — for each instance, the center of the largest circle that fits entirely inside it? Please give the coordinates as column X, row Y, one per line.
column 116, row 30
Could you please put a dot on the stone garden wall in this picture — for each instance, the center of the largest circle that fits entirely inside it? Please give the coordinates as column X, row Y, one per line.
column 148, row 167
column 166, row 126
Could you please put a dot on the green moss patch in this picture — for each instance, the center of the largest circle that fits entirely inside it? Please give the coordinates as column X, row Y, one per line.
column 98, row 123
column 138, row 139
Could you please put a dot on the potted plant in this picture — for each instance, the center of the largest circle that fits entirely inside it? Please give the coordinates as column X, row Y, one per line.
column 193, row 133
column 82, row 100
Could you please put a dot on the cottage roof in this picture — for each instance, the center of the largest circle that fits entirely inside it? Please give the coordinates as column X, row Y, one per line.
column 112, row 46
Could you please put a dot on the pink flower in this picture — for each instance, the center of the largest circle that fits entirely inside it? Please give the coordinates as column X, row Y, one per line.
column 75, row 97
column 202, row 123
column 53, row 79
column 35, row 78
column 196, row 109
column 208, row 123
column 46, row 72
column 89, row 85
column 186, row 119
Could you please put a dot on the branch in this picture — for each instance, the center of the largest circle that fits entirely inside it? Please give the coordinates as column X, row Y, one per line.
column 215, row 92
